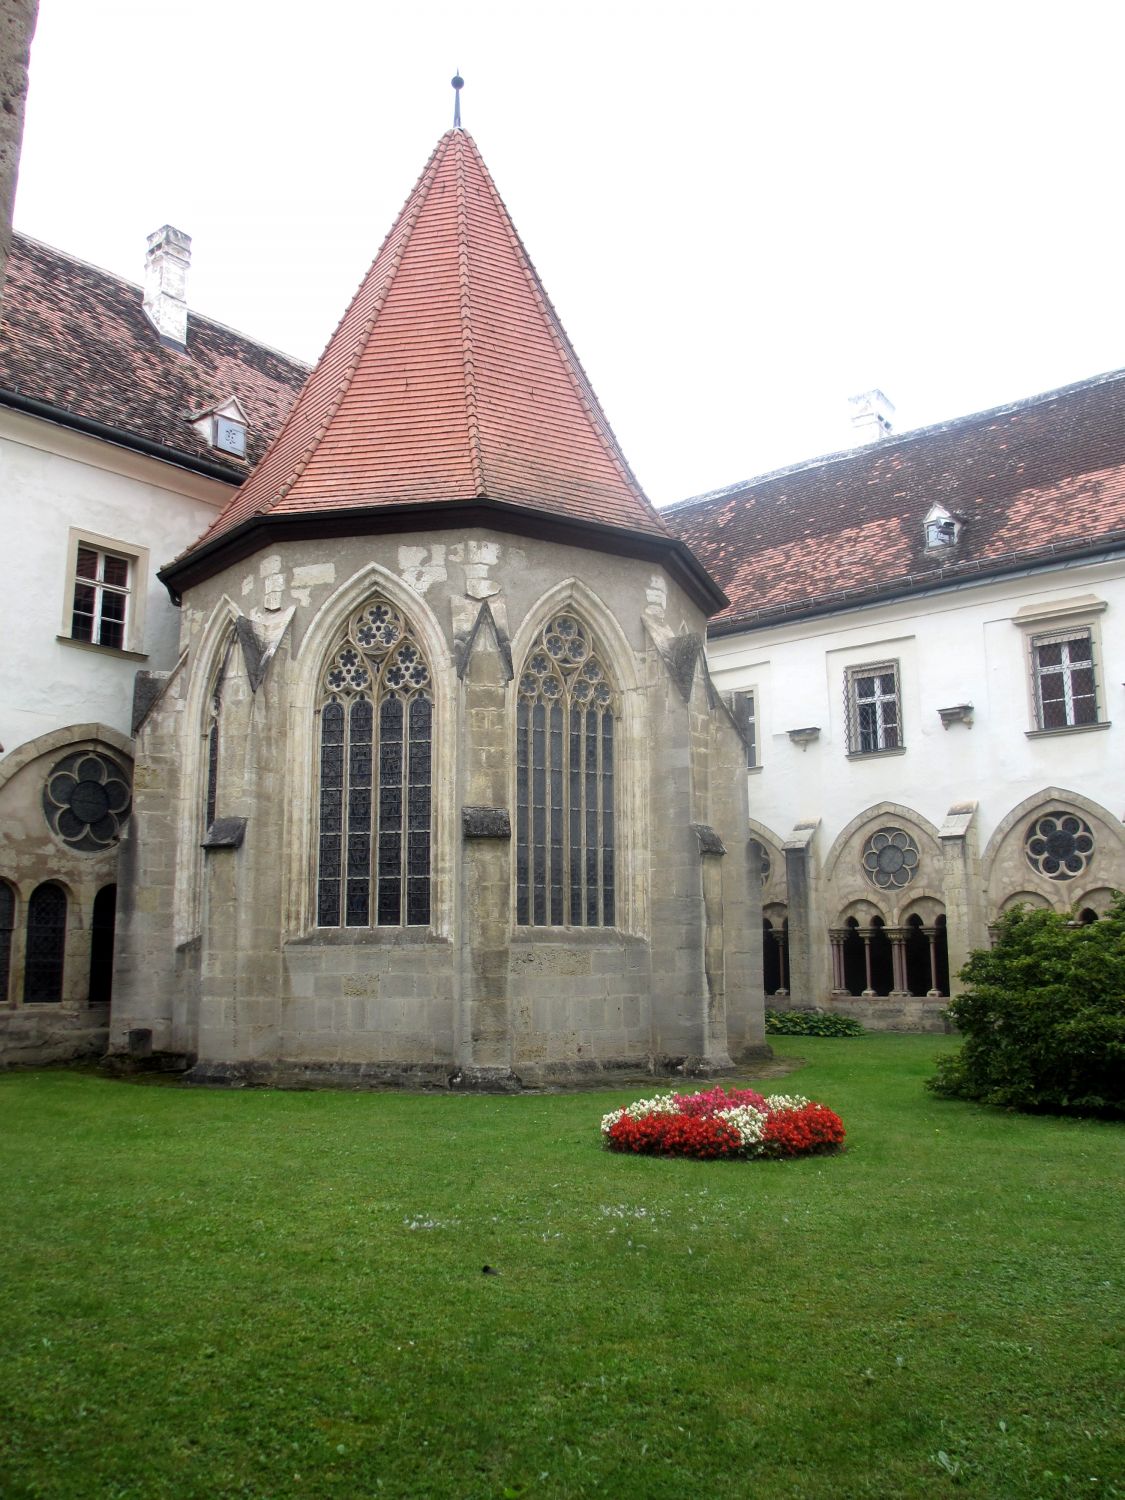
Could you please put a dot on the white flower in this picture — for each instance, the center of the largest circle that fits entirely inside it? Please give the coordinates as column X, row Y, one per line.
column 661, row 1104
column 748, row 1121
column 777, row 1102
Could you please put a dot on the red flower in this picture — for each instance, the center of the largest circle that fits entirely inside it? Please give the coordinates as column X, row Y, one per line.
column 793, row 1132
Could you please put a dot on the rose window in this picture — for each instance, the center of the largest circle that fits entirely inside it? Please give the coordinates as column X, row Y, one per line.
column 87, row 800
column 890, row 859
column 764, row 859
column 1059, row 845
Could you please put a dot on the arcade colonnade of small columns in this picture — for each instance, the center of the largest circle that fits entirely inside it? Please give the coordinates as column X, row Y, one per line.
column 880, row 923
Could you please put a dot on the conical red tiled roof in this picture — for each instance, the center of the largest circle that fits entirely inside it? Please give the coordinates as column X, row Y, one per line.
column 448, row 379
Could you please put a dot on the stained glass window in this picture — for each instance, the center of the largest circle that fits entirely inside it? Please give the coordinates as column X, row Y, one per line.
column 376, row 799
column 46, row 944
column 565, row 844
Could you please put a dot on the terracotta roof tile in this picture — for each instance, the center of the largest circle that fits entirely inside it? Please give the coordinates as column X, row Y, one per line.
column 1042, row 478
column 76, row 338
column 449, row 378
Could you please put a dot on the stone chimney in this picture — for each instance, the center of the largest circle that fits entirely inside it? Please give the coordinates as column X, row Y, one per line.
column 17, row 26
column 872, row 416
column 166, row 268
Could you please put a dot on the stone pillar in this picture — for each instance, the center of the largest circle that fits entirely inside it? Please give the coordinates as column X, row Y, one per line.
column 714, row 1019
column 965, row 917
column 809, row 973
column 17, row 27
column 485, row 1030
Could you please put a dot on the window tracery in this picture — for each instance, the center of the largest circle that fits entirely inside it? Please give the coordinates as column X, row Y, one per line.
column 890, row 859
column 1059, row 845
column 87, row 800
column 565, row 837
column 375, row 815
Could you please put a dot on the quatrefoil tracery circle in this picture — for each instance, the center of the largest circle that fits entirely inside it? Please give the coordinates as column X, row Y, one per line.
column 1059, row 845
column 890, row 859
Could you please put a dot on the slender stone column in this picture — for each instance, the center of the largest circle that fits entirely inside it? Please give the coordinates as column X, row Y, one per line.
column 931, row 936
column 897, row 936
column 865, row 933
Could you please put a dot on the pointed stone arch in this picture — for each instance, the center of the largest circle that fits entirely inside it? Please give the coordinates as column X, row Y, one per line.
column 308, row 661
column 847, row 882
column 573, row 596
column 774, row 887
column 1007, row 872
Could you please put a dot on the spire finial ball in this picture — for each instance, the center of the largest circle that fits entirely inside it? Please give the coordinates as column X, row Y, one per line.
column 457, row 81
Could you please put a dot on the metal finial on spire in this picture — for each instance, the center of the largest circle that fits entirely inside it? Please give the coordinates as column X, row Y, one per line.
column 458, row 84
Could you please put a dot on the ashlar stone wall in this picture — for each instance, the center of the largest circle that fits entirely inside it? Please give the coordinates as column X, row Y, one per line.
column 221, row 955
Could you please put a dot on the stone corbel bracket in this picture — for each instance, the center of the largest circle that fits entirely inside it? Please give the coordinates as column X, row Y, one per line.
column 804, row 737
column 959, row 713
column 225, row 833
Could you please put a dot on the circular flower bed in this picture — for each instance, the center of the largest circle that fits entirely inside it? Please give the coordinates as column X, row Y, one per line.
column 718, row 1122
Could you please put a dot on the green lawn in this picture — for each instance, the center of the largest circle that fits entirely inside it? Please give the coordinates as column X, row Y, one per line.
column 280, row 1294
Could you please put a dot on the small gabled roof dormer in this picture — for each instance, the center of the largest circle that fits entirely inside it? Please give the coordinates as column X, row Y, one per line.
column 942, row 528
column 224, row 426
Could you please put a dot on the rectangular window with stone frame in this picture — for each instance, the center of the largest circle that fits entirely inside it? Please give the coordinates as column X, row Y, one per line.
column 105, row 592
column 873, row 705
column 1062, row 665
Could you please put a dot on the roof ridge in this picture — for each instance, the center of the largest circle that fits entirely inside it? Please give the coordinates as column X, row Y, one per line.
column 418, row 193
column 465, row 290
column 137, row 286
column 895, row 439
column 575, row 371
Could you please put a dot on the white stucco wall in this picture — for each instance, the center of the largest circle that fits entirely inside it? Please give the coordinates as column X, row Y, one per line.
column 52, row 480
column 957, row 646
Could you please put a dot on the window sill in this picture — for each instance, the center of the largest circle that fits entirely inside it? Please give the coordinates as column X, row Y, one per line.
column 68, row 640
column 875, row 754
column 1046, row 734
column 348, row 937
column 753, row 770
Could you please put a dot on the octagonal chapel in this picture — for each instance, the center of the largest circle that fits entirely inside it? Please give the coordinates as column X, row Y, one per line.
column 440, row 789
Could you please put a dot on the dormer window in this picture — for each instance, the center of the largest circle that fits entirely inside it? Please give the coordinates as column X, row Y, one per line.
column 229, row 436
column 224, row 427
column 942, row 529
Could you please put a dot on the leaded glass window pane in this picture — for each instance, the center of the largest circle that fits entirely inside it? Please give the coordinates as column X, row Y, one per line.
column 7, row 923
column 873, row 720
column 1064, row 680
column 376, row 794
column 565, row 869
column 46, row 945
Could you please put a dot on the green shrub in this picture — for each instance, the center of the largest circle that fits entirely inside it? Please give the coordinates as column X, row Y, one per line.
column 810, row 1023
column 1043, row 1017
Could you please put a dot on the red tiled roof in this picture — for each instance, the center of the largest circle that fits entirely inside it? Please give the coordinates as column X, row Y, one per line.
column 75, row 338
column 448, row 379
column 1038, row 479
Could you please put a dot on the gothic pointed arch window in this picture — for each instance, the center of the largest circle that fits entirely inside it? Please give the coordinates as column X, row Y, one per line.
column 212, row 739
column 565, row 795
column 375, row 760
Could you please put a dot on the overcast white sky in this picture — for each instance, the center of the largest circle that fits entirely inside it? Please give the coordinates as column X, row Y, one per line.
column 744, row 213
